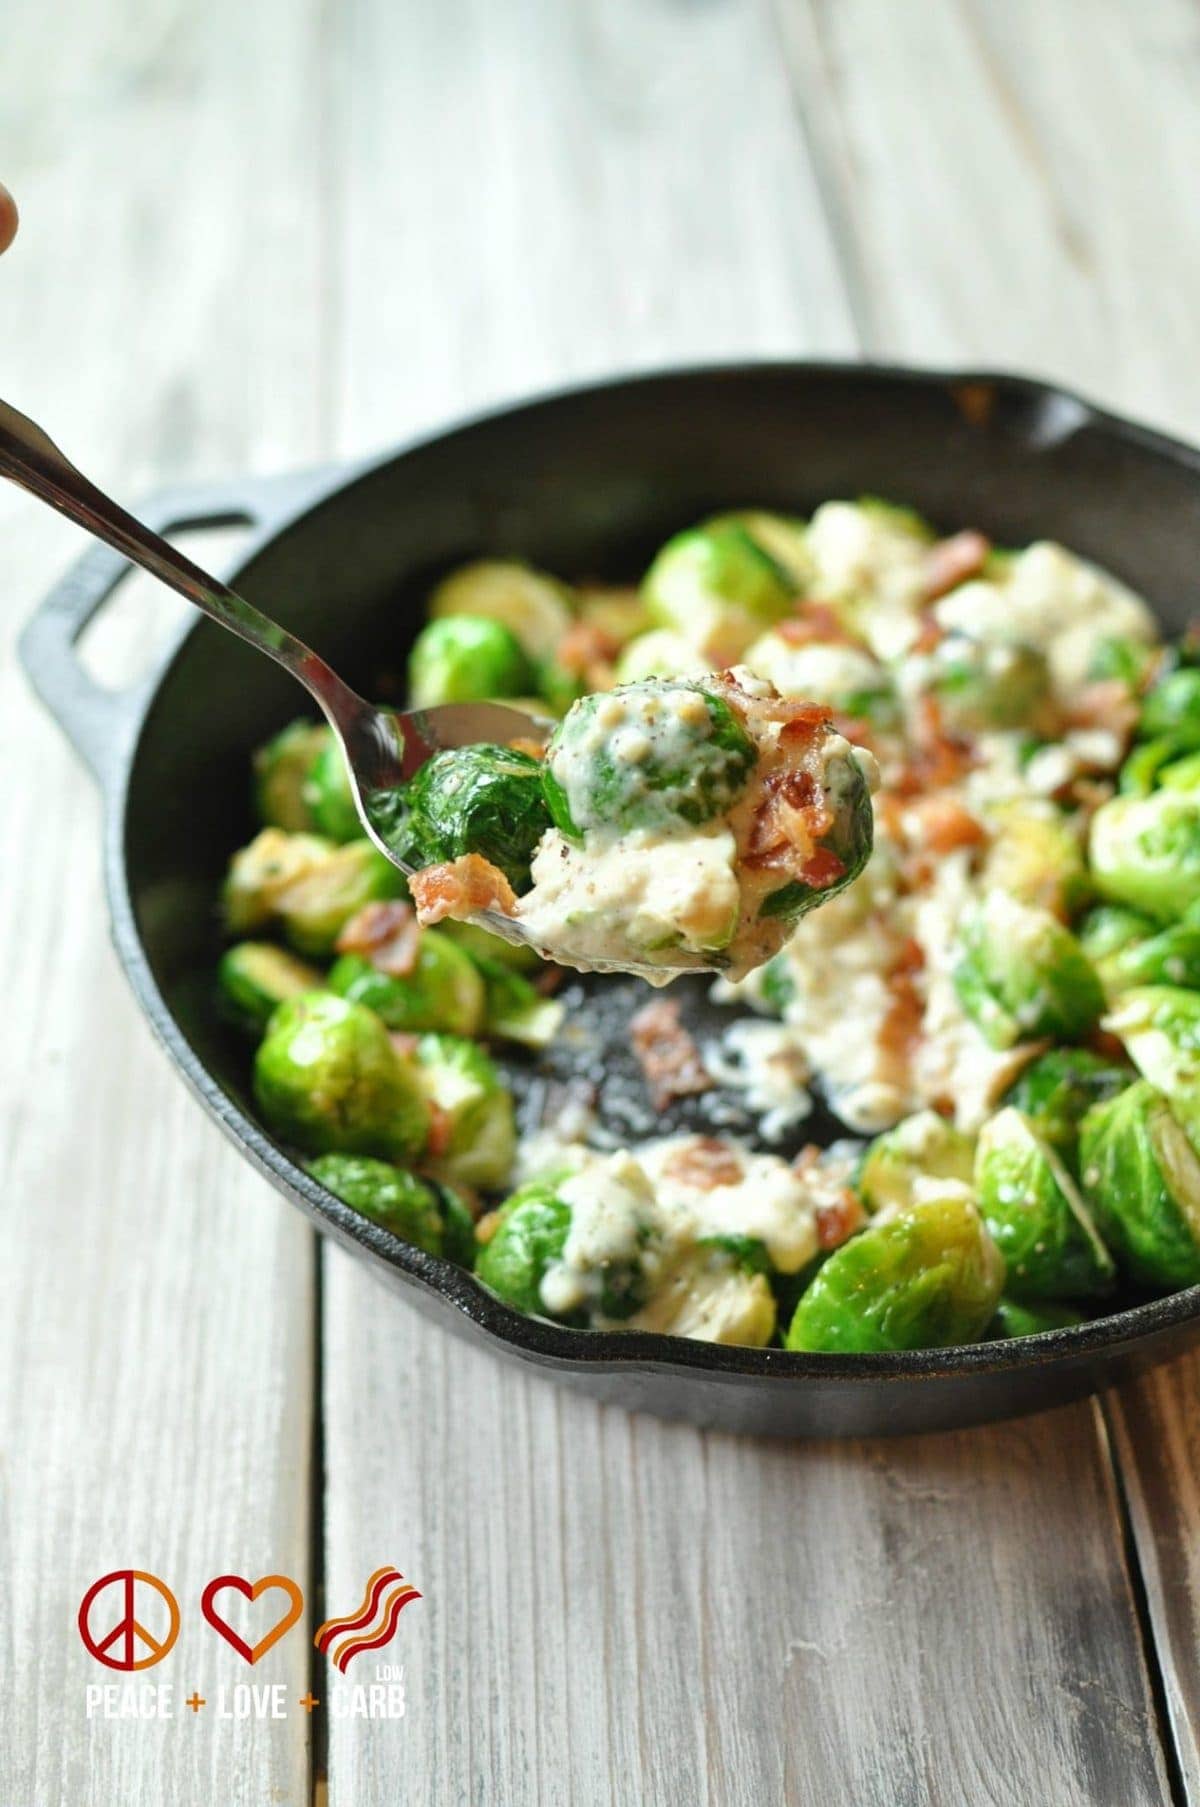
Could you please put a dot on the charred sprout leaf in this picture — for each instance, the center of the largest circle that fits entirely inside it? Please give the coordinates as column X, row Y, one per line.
column 717, row 588
column 474, row 1137
column 255, row 976
column 1142, row 1178
column 1035, row 1215
column 481, row 799
column 925, row 1277
column 443, row 991
column 649, row 755
column 1145, row 851
column 1020, row 974
column 923, row 1146
column 465, row 659
column 327, row 1078
column 387, row 1195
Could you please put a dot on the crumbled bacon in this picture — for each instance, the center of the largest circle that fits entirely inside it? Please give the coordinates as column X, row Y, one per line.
column 900, row 1030
column 440, row 1130
column 1106, row 703
column 387, row 934
column 666, row 1053
column 534, row 749
column 938, row 760
column 952, row 561
column 461, row 887
column 705, row 1163
column 943, row 823
column 814, row 622
column 587, row 651
column 786, row 832
column 838, row 1220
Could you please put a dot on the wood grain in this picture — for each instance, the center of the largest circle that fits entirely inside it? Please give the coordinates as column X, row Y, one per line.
column 158, row 313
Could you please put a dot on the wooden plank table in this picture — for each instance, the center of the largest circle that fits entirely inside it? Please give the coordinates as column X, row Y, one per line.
column 260, row 236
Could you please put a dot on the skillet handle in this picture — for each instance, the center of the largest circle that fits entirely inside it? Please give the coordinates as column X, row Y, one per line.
column 98, row 720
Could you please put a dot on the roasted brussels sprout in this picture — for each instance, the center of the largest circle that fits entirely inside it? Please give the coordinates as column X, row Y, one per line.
column 465, row 658
column 1172, row 708
column 443, row 991
column 328, row 795
column 981, row 685
column 1145, row 851
column 280, row 770
column 717, row 588
column 923, row 1146
column 1170, row 957
column 782, row 537
column 327, row 1078
column 647, row 756
column 307, row 884
column 1055, row 1092
column 1036, row 856
column 482, row 799
column 525, row 1240
column 1035, row 1215
column 922, row 1277
column 474, row 1136
column 387, row 1195
column 1015, row 1319
column 1142, row 1178
column 254, row 976
column 1160, row 1027
column 535, row 609
column 714, row 1293
column 1139, row 773
column 1108, row 928
column 1020, row 974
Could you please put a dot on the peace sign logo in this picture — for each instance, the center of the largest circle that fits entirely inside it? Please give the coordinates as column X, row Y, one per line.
column 112, row 1605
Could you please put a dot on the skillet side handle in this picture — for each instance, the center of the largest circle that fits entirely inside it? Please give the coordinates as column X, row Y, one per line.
column 95, row 719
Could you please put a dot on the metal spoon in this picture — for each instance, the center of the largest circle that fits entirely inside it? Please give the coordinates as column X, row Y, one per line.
column 382, row 747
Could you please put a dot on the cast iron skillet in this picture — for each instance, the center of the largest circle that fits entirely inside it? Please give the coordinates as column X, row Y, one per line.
column 588, row 483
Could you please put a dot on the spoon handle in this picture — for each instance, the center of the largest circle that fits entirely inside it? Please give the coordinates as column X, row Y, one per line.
column 30, row 458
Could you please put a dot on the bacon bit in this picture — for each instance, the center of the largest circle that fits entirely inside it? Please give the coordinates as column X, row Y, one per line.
column 805, row 725
column 786, row 831
column 1107, row 1045
column 666, row 1053
column 584, row 646
column 705, row 1163
column 547, row 982
column 939, row 760
column 461, row 887
column 839, row 1220
column 943, row 823
column 900, row 1030
column 929, row 636
column 403, row 1042
column 534, row 748
column 487, row 1226
column 440, row 1126
column 952, row 561
column 814, row 621
column 387, row 934
column 1103, row 704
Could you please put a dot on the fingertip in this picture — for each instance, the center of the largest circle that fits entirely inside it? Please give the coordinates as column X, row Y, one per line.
column 8, row 218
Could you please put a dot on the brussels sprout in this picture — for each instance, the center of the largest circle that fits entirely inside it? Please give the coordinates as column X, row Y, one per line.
column 1181, row 774
column 465, row 658
column 327, row 1077
column 307, row 884
column 475, row 1137
column 280, row 769
column 328, row 795
column 1160, row 1027
column 1108, row 928
column 924, row 1277
column 443, row 991
column 717, row 588
column 1035, row 1215
column 458, row 1225
column 387, row 1195
column 1014, row 1319
column 897, row 518
column 1145, row 851
column 1055, row 1091
column 514, row 1011
column 1036, row 856
column 660, row 654
column 713, row 1294
column 263, row 873
column 557, row 688
column 1170, row 957
column 255, row 976
column 482, row 945
column 1139, row 774
column 1172, row 707
column 617, row 613
column 849, row 838
column 1020, row 974
column 648, row 755
column 923, row 1146
column 1142, row 1178
column 535, row 609
column 529, row 1236
column 982, row 685
column 481, row 799
column 782, row 537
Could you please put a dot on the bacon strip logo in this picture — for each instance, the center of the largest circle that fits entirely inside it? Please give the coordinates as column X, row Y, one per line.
column 373, row 1625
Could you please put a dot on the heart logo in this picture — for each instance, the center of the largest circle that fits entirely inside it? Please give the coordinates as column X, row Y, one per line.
column 251, row 1590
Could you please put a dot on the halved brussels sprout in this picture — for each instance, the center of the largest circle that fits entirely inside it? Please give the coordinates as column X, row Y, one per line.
column 1142, row 1178
column 782, row 537
column 660, row 654
column 983, row 684
column 1172, row 708
column 1145, row 852
column 328, row 795
column 465, row 659
column 1036, row 855
column 1170, row 957
column 1181, row 774
column 535, row 609
column 1055, row 1092
column 649, row 755
column 474, row 1136
column 1014, row 1319
column 1107, row 928
column 307, row 884
column 527, row 1238
column 255, row 976
column 443, row 991
column 1035, row 1215
column 1020, row 974
column 327, row 1078
column 923, row 1277
column 1160, row 1027
column 717, row 588
column 923, row 1146
column 387, row 1195
column 280, row 769
column 514, row 1011
column 481, row 799
column 714, row 1294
